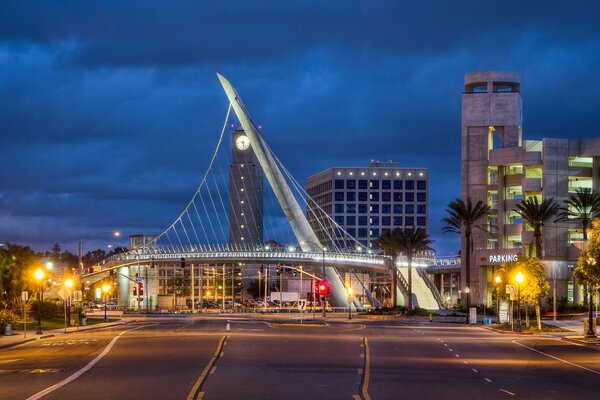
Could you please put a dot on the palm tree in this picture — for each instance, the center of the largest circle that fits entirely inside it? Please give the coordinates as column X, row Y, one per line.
column 388, row 243
column 583, row 207
column 412, row 242
column 535, row 215
column 461, row 219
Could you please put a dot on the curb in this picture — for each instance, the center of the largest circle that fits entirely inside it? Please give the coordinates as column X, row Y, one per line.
column 580, row 342
column 91, row 328
column 505, row 332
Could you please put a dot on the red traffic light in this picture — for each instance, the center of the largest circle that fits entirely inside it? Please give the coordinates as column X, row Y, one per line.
column 323, row 287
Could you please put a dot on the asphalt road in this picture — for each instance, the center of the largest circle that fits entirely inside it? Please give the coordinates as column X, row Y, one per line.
column 200, row 359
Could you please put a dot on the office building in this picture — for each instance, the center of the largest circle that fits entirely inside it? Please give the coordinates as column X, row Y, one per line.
column 367, row 201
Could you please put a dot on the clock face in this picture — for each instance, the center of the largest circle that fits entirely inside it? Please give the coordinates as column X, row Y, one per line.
column 242, row 142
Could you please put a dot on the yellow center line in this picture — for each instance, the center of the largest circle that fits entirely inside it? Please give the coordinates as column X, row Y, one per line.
column 194, row 393
column 366, row 372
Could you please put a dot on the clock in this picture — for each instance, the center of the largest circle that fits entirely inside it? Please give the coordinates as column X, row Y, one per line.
column 242, row 142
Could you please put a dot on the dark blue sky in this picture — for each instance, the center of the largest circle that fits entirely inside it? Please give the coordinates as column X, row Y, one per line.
column 108, row 111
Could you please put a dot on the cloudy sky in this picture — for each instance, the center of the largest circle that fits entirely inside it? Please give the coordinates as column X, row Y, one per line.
column 109, row 110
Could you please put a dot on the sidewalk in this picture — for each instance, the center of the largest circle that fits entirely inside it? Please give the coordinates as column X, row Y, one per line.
column 18, row 337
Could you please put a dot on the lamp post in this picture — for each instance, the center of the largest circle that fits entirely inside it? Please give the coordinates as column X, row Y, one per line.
column 68, row 287
column 349, row 302
column 105, row 290
column 519, row 278
column 498, row 282
column 81, row 242
column 39, row 276
column 467, row 291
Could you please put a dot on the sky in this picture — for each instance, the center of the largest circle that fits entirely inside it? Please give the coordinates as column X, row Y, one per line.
column 110, row 110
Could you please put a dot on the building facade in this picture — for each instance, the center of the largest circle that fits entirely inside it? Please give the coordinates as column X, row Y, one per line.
column 501, row 169
column 368, row 201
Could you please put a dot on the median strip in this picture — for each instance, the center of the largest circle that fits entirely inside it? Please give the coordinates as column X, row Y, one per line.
column 196, row 393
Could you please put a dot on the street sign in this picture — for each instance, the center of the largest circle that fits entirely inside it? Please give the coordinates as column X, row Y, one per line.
column 138, row 279
column 63, row 293
column 503, row 317
column 24, row 296
column 510, row 289
column 301, row 305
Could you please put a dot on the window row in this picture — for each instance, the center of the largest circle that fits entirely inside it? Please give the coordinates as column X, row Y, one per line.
column 385, row 196
column 375, row 221
column 375, row 184
column 376, row 208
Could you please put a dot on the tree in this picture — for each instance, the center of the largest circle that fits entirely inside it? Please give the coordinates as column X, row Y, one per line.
column 587, row 271
column 15, row 263
column 582, row 207
column 411, row 242
column 462, row 218
column 535, row 214
column 388, row 242
column 535, row 285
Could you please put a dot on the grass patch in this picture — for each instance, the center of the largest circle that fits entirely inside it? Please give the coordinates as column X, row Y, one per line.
column 533, row 328
column 54, row 323
column 306, row 324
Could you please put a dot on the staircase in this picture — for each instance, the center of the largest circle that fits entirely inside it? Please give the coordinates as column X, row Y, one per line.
column 421, row 288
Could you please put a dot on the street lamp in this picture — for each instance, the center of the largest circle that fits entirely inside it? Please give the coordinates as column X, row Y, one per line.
column 39, row 276
column 105, row 290
column 519, row 278
column 467, row 291
column 498, row 282
column 81, row 242
column 68, row 286
column 349, row 303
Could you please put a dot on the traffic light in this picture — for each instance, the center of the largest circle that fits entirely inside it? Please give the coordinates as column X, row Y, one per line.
column 182, row 262
column 294, row 272
column 135, row 291
column 323, row 287
column 278, row 269
column 141, row 289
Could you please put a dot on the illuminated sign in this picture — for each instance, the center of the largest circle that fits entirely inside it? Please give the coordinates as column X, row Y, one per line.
column 503, row 258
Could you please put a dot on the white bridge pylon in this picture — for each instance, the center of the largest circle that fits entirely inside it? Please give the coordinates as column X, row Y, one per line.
column 309, row 244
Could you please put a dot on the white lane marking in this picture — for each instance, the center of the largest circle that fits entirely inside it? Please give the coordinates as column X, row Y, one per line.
column 89, row 365
column 488, row 379
column 474, row 370
column 11, row 360
column 456, row 355
column 506, row 391
column 252, row 330
column 556, row 358
column 466, row 363
column 450, row 349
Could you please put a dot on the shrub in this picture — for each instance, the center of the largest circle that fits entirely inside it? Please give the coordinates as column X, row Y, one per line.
column 6, row 317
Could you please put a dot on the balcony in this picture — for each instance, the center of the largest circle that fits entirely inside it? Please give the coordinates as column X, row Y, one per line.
column 513, row 229
column 532, row 185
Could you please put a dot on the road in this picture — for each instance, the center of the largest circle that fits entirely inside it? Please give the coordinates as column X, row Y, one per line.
column 199, row 359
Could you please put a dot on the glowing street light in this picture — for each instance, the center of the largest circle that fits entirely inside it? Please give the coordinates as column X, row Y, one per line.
column 498, row 282
column 39, row 276
column 519, row 278
column 349, row 302
column 105, row 289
